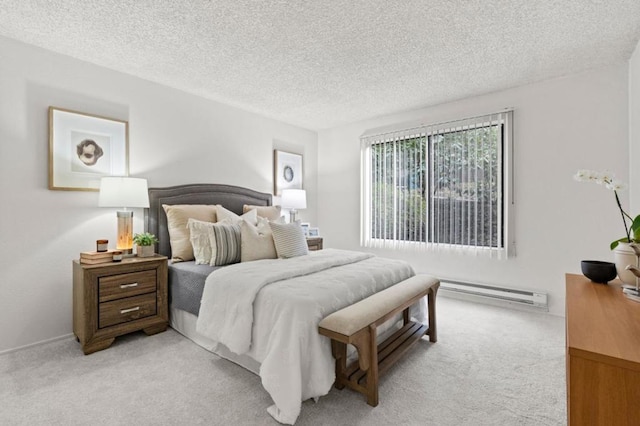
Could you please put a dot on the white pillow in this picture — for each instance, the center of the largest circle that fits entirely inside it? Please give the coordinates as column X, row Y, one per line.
column 224, row 239
column 256, row 241
column 177, row 217
column 289, row 239
column 199, row 237
column 267, row 212
column 227, row 215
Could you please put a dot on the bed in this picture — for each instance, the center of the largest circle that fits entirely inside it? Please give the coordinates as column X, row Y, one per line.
column 264, row 314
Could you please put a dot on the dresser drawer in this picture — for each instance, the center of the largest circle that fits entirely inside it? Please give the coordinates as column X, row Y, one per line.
column 124, row 310
column 126, row 285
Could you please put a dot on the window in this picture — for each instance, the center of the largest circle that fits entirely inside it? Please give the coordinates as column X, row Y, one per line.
column 439, row 185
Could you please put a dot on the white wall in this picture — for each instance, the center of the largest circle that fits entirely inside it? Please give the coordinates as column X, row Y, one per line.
column 561, row 125
column 175, row 138
column 634, row 129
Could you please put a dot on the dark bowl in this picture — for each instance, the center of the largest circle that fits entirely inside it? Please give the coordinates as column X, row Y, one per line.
column 598, row 271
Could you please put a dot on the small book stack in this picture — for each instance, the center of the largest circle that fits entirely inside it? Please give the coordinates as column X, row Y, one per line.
column 96, row 257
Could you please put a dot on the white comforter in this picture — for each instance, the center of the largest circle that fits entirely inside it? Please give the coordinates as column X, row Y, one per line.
column 270, row 310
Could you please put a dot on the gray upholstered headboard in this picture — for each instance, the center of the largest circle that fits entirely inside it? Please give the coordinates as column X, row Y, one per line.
column 229, row 196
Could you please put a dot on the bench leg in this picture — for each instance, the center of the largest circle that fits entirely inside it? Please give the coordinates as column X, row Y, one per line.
column 431, row 302
column 372, row 372
column 367, row 347
column 339, row 350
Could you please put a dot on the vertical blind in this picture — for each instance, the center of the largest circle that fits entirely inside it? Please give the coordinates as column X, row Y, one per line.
column 440, row 185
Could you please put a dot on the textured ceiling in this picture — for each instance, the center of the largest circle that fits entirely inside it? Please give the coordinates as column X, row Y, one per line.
column 322, row 63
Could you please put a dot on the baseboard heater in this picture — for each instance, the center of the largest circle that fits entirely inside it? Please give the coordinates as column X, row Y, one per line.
column 531, row 298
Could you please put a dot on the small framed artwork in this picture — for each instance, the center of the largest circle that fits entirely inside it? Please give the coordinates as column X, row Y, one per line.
column 287, row 171
column 83, row 148
column 305, row 228
column 313, row 232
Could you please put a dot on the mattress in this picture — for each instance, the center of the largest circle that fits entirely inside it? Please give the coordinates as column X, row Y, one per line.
column 186, row 283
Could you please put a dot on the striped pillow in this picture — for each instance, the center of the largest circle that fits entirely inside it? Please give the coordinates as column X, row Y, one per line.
column 289, row 239
column 225, row 244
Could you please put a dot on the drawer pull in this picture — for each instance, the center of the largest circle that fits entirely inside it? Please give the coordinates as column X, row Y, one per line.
column 128, row 285
column 126, row 311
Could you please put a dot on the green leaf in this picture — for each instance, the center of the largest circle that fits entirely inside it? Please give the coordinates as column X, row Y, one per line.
column 635, row 228
column 615, row 243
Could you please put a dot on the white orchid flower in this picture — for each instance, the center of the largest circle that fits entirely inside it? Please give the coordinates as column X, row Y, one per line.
column 594, row 176
column 608, row 179
column 615, row 185
column 605, row 177
column 581, row 175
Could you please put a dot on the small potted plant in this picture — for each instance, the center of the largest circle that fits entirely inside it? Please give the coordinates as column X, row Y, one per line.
column 145, row 244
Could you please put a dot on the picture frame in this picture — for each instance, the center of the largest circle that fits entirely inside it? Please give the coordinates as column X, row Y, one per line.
column 305, row 228
column 83, row 148
column 313, row 232
column 287, row 171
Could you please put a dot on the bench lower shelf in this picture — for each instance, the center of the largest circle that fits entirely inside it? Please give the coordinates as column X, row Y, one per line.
column 389, row 351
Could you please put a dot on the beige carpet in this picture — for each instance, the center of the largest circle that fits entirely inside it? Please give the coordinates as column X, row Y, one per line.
column 491, row 366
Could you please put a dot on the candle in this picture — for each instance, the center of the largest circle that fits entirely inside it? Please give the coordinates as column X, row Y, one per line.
column 102, row 245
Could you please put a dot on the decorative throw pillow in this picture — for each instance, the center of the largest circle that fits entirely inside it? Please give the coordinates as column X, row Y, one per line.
column 268, row 212
column 289, row 239
column 199, row 237
column 177, row 217
column 225, row 244
column 256, row 241
column 225, row 214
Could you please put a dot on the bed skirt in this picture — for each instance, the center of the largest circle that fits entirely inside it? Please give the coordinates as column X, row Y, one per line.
column 185, row 323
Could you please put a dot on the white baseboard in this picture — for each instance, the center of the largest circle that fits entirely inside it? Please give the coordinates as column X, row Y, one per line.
column 41, row 342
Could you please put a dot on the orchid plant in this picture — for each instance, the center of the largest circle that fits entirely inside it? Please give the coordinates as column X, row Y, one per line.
column 610, row 182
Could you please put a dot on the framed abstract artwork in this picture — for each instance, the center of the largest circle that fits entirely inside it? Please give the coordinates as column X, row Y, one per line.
column 287, row 171
column 83, row 148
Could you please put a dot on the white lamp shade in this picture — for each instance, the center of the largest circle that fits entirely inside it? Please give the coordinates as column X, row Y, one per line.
column 294, row 199
column 123, row 192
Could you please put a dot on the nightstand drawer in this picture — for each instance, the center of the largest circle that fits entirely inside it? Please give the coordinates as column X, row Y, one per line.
column 126, row 285
column 124, row 310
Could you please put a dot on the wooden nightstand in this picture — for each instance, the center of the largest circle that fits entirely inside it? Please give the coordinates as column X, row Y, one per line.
column 314, row 243
column 112, row 299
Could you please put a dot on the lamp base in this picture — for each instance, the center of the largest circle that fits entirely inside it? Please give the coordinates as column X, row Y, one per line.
column 292, row 215
column 125, row 233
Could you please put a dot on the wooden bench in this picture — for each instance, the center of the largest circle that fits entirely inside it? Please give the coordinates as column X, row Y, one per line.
column 357, row 325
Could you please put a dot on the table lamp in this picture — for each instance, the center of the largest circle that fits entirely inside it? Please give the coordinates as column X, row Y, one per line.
column 124, row 192
column 294, row 199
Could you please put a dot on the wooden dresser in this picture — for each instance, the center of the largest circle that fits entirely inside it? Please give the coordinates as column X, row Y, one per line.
column 112, row 299
column 603, row 354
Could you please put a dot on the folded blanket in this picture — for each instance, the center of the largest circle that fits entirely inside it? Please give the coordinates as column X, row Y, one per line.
column 226, row 309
